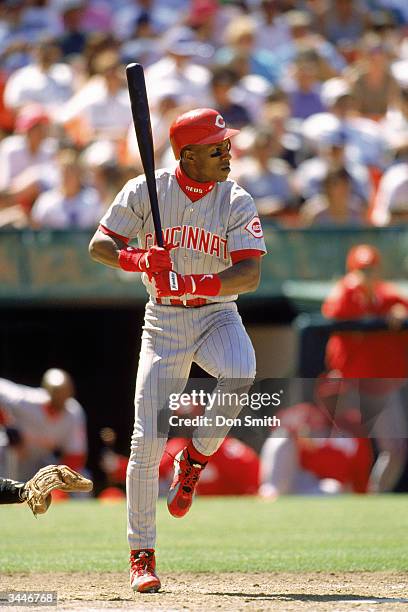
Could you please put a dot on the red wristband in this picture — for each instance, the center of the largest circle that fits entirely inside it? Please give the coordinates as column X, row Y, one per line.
column 202, row 284
column 129, row 259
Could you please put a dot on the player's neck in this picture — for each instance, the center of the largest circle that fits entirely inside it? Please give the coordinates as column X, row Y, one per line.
column 192, row 174
column 193, row 189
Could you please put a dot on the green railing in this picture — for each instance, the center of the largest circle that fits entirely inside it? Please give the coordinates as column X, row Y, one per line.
column 301, row 264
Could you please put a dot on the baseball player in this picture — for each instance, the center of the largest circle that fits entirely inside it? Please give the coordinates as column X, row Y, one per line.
column 214, row 245
column 48, row 420
column 317, row 448
column 362, row 356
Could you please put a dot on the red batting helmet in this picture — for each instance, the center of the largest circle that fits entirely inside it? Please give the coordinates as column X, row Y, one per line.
column 199, row 126
column 362, row 256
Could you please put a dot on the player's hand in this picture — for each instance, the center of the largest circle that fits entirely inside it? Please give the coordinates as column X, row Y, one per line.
column 396, row 317
column 170, row 284
column 156, row 259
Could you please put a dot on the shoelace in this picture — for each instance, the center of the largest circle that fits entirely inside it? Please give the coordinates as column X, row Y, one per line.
column 191, row 473
column 191, row 476
column 142, row 563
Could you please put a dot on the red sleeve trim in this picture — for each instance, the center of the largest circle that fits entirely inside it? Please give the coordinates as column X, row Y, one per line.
column 109, row 232
column 237, row 256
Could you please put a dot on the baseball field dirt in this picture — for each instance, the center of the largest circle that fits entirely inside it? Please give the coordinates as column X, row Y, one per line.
column 227, row 554
column 286, row 592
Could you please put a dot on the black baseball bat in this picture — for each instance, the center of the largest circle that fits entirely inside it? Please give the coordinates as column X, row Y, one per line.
column 143, row 128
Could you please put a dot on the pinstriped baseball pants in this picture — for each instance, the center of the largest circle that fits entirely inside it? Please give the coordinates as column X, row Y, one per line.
column 212, row 336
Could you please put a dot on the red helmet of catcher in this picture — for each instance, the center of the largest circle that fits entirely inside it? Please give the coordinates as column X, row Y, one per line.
column 362, row 256
column 198, row 126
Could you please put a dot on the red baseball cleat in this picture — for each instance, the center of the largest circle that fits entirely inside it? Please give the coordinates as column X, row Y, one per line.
column 143, row 577
column 186, row 475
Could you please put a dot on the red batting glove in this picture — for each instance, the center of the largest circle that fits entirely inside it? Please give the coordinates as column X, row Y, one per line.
column 171, row 284
column 156, row 259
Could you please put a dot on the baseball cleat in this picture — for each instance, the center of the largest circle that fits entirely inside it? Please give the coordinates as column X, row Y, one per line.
column 186, row 475
column 143, row 578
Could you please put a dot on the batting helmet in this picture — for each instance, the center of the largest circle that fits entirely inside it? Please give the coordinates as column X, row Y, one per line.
column 199, row 126
column 362, row 256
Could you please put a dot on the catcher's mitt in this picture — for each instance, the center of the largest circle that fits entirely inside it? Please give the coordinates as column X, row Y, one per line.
column 37, row 491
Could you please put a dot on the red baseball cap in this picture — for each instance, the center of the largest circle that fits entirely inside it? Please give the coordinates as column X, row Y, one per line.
column 29, row 116
column 362, row 256
column 198, row 126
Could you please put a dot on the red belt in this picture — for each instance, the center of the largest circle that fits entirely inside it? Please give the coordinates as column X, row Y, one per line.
column 194, row 303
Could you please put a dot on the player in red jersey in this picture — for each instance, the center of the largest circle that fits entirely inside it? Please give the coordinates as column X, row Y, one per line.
column 379, row 359
column 315, row 449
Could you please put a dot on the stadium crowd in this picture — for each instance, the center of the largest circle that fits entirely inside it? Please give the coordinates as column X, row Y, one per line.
column 319, row 89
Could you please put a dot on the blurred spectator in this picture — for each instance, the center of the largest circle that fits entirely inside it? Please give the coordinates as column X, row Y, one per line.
column 161, row 16
column 222, row 82
column 303, row 37
column 207, row 20
column 73, row 39
column 315, row 450
column 304, row 91
column 168, row 107
column 50, row 423
column 374, row 87
column 103, row 171
column 17, row 33
column 363, row 138
column 251, row 90
column 27, row 159
column 335, row 204
column 272, row 29
column 96, row 43
column 46, row 81
column 399, row 8
column 266, row 177
column 391, row 202
column 363, row 355
column 276, row 113
column 395, row 123
column 103, row 112
column 240, row 36
column 343, row 21
column 12, row 215
column 143, row 44
column 311, row 173
column 40, row 16
column 72, row 204
column 178, row 66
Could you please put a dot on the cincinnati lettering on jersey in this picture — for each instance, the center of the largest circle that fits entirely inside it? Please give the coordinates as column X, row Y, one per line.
column 193, row 238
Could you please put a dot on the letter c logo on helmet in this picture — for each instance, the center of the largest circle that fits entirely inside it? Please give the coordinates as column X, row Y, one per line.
column 219, row 121
column 198, row 126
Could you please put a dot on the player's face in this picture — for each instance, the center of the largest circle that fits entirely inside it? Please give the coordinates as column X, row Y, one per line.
column 212, row 162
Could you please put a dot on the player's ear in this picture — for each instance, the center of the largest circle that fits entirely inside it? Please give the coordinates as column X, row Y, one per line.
column 188, row 154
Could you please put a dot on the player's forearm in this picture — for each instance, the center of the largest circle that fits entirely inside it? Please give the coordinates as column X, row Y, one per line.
column 11, row 491
column 105, row 249
column 242, row 277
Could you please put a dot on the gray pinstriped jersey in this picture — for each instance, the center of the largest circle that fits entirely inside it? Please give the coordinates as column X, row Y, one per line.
column 206, row 232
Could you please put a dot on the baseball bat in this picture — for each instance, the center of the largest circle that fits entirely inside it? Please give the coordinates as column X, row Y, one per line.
column 141, row 121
